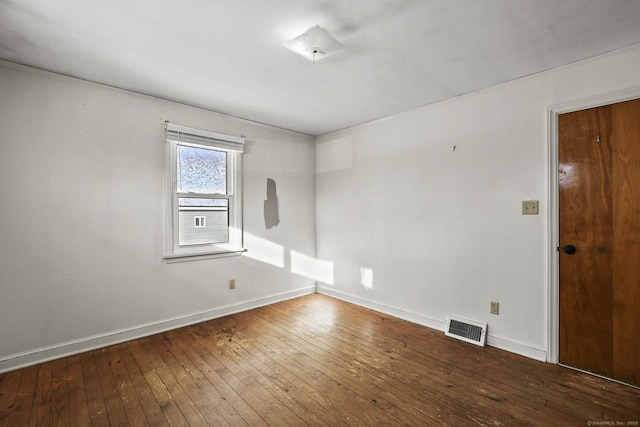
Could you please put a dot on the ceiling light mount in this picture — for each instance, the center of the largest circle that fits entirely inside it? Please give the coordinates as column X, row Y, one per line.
column 315, row 44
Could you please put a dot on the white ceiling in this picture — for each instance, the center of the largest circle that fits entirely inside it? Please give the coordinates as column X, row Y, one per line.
column 226, row 55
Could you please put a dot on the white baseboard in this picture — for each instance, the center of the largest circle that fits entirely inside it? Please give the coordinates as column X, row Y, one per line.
column 511, row 346
column 384, row 308
column 69, row 348
column 516, row 347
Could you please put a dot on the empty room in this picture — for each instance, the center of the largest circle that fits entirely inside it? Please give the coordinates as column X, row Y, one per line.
column 322, row 212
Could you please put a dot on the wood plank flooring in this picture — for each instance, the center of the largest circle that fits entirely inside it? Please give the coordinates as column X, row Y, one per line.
column 312, row 361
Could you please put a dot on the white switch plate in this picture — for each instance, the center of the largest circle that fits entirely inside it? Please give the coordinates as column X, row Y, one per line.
column 530, row 207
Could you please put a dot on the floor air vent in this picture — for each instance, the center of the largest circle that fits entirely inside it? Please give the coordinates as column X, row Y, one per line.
column 466, row 330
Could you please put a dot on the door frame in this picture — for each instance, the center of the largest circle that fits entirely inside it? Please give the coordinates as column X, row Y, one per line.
column 553, row 303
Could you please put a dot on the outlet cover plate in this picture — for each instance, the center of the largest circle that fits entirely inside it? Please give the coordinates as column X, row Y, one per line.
column 530, row 207
column 495, row 308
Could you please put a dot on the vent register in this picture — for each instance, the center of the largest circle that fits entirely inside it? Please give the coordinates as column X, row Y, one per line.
column 467, row 330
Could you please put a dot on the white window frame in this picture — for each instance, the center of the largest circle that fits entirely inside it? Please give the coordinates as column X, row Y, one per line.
column 176, row 135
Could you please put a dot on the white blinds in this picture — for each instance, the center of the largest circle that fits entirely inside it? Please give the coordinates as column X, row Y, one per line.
column 189, row 136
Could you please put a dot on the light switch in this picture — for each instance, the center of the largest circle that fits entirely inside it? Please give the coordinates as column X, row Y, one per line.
column 529, row 207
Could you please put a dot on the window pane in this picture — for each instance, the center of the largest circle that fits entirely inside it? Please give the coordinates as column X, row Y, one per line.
column 216, row 223
column 202, row 170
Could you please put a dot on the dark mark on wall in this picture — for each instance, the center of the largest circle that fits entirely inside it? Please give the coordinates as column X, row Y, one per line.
column 271, row 209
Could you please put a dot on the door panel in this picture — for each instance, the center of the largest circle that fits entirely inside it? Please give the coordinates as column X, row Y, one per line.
column 626, row 245
column 585, row 212
column 599, row 204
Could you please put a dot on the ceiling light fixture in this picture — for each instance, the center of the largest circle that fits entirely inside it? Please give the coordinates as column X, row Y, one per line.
column 314, row 44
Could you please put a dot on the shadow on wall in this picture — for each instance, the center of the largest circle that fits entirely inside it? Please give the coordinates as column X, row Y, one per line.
column 271, row 209
column 268, row 252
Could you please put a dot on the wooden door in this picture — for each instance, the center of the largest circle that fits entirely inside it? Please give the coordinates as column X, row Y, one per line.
column 599, row 204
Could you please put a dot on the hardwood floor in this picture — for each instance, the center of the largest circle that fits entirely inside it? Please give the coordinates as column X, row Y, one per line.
column 309, row 361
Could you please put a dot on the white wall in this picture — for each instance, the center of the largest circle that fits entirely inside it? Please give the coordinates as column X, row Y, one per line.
column 81, row 205
column 441, row 230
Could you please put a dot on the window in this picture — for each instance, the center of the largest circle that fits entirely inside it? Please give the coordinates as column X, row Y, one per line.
column 200, row 221
column 204, row 200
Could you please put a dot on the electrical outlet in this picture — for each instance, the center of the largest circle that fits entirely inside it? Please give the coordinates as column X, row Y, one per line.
column 495, row 308
column 232, row 284
column 530, row 207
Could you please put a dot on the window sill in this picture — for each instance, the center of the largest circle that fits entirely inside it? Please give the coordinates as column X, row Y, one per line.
column 186, row 257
